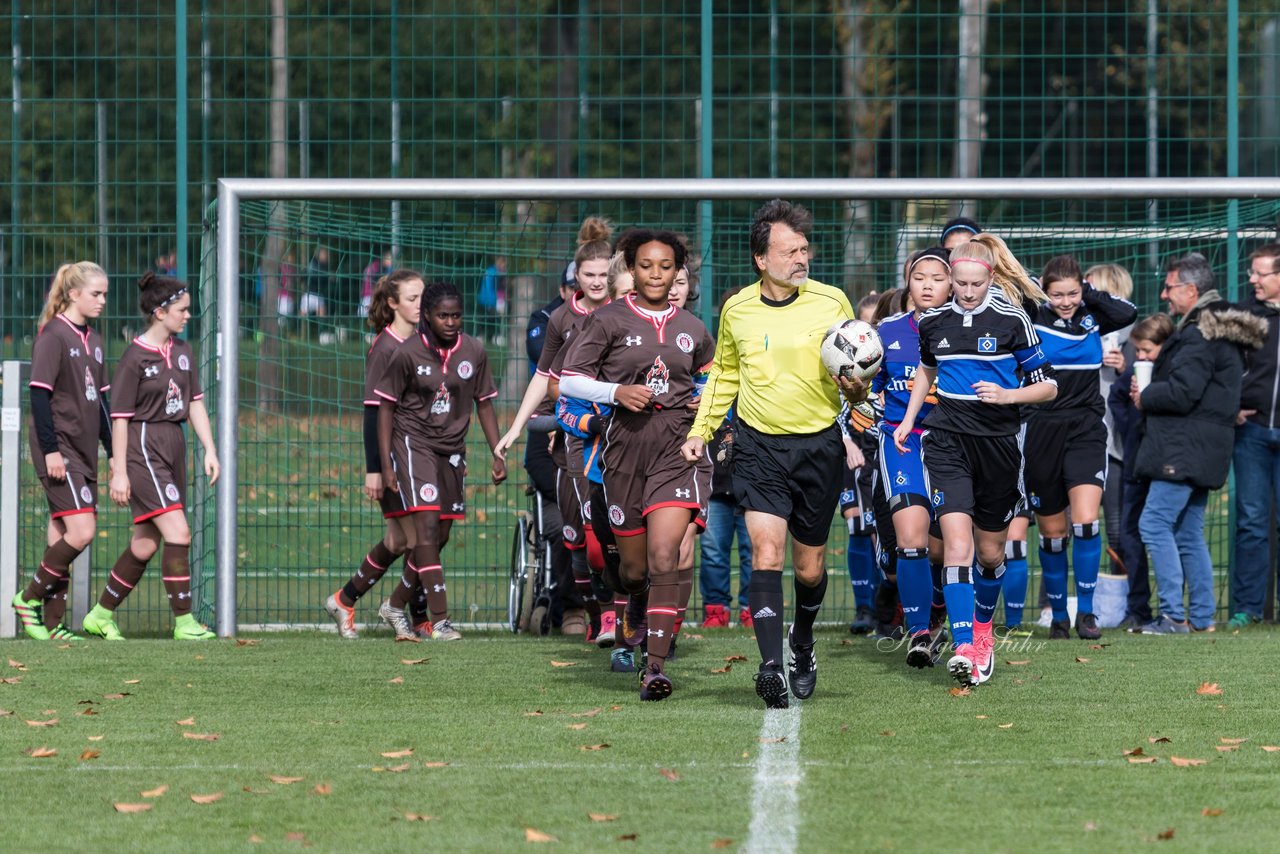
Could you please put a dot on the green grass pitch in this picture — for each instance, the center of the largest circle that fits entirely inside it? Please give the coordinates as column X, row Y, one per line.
column 886, row 758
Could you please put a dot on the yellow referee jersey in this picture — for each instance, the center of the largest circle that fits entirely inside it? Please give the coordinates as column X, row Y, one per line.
column 767, row 356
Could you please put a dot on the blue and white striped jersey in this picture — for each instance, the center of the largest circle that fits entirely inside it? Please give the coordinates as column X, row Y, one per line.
column 1074, row 346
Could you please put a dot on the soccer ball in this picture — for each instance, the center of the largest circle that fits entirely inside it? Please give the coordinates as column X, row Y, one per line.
column 852, row 349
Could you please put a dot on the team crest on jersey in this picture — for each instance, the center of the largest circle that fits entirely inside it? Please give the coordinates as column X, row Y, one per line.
column 658, row 379
column 848, row 497
column 868, row 518
column 938, row 498
column 1033, row 500
column 173, row 399
column 184, row 364
column 429, row 492
column 90, row 390
column 569, row 534
column 440, row 404
column 1087, row 321
column 97, row 355
column 85, row 495
column 616, row 516
column 900, row 478
column 685, row 342
column 171, row 492
column 466, row 369
column 586, row 511
column 986, row 344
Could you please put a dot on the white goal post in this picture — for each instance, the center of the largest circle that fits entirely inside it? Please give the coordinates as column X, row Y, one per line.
column 233, row 191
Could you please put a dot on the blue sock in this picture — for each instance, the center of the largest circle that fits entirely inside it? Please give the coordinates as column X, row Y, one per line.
column 1053, row 560
column 957, row 589
column 1015, row 581
column 862, row 569
column 935, row 577
column 986, row 592
column 914, row 588
column 1086, row 555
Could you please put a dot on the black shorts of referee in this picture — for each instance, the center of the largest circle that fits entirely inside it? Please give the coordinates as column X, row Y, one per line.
column 794, row 476
column 980, row 476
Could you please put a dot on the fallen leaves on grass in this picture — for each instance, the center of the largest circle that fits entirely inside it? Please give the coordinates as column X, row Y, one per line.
column 409, row 640
column 17, row 665
column 87, row 713
column 1143, row 760
column 1227, row 748
column 435, row 764
column 1080, row 660
column 732, row 658
column 132, row 681
column 576, row 726
column 117, row 696
column 1099, row 645
column 590, row 713
column 246, row 642
column 628, row 837
column 417, row 816
column 398, row 769
column 255, row 838
column 1018, row 663
column 398, row 754
column 11, row 680
column 1165, row 835
column 888, row 733
column 593, row 747
column 323, row 789
column 186, row 722
column 1210, row 689
column 1232, row 740
column 536, row 713
column 1211, row 812
column 721, row 843
column 90, row 754
column 154, row 793
column 253, row 791
column 50, row 722
column 412, row 661
column 1137, row 751
column 532, row 835
column 96, row 737
column 202, row 736
column 599, row 816
column 399, row 680
column 295, row 836
column 1004, row 726
column 564, row 664
column 5, row 713
column 132, row 808
column 959, row 692
column 211, row 798
column 669, row 774
column 284, row 781
column 1180, row 762
column 1270, row 748
column 776, row 740
column 724, row 669
column 41, row 752
column 1161, row 739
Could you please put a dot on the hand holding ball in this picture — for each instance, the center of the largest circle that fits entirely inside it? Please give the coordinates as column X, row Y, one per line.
column 851, row 349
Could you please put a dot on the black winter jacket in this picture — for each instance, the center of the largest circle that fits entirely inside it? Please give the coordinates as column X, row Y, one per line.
column 1191, row 404
column 1261, row 389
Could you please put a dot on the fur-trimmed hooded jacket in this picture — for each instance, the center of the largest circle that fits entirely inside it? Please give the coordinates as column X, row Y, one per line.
column 1191, row 404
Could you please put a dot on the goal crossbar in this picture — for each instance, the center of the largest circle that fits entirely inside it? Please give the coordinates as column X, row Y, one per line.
column 233, row 191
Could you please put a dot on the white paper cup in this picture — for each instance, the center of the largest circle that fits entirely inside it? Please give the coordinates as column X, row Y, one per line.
column 1110, row 341
column 1142, row 372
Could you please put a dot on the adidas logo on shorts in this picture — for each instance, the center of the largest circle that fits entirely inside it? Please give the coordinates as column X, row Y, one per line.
column 766, row 611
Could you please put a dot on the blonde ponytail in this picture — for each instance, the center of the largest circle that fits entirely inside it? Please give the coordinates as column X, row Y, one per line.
column 70, row 277
column 1006, row 270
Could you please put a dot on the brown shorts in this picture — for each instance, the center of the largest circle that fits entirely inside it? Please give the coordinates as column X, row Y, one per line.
column 429, row 481
column 391, row 504
column 78, row 493
column 571, row 495
column 643, row 471
column 157, row 468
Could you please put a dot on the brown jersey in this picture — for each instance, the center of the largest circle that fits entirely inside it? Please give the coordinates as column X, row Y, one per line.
column 560, row 320
column 376, row 362
column 154, row 384
column 434, row 389
column 69, row 363
column 624, row 344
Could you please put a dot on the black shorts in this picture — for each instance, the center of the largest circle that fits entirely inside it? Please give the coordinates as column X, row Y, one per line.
column 796, row 477
column 1063, row 453
column 980, row 476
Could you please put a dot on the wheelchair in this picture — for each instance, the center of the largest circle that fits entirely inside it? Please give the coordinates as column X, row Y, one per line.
column 531, row 585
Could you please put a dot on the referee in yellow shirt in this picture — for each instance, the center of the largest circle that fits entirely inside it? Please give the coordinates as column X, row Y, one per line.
column 788, row 455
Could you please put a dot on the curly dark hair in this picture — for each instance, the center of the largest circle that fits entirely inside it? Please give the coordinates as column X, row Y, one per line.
column 795, row 217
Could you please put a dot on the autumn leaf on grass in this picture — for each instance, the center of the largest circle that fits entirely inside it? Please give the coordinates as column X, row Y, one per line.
column 417, row 816
column 132, row 681
column 1080, row 660
column 599, row 816
column 1232, row 740
column 959, row 692
column 536, row 713
column 11, row 680
column 408, row 640
column 17, row 665
column 398, row 769
column 95, row 737
column 246, row 642
column 1165, row 835
column 1018, row 663
column 1209, row 689
column 564, row 664
column 284, row 781
column 593, row 747
column 732, row 658
column 435, row 764
column 1179, row 762
column 669, row 774
column 132, row 807
column 398, row 754
column 186, row 722
column 5, row 713
column 323, row 789
column 1163, row 739
column 1137, row 751
column 295, row 836
column 117, row 696
column 212, row 798
column 627, row 837
column 1211, row 812
column 576, row 726
column 87, row 713
column 1005, row 726
column 777, row 740
column 1143, row 760
column 412, row 661
column 888, row 733
column 154, row 793
column 724, row 669
column 1226, row 748
column 255, row 838
column 90, row 754
column 1270, row 748
column 41, row 752
column 721, row 843
column 399, row 680
column 202, row 736
column 50, row 722
column 590, row 713
column 531, row 835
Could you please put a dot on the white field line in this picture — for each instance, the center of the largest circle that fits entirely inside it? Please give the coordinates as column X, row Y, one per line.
column 775, row 795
